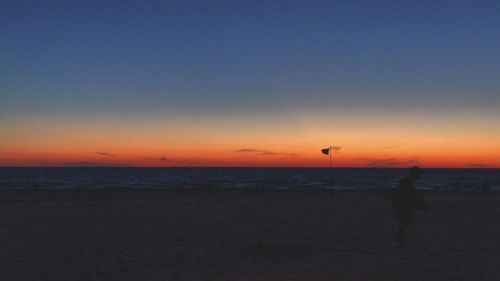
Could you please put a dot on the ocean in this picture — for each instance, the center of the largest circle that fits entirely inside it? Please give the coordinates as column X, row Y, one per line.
column 272, row 178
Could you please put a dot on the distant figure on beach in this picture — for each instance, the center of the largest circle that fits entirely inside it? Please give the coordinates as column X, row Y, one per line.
column 405, row 201
column 485, row 186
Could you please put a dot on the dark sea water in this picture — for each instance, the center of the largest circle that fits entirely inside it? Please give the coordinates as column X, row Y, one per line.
column 277, row 178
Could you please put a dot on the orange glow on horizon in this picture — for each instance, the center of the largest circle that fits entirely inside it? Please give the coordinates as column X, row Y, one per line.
column 247, row 142
column 252, row 158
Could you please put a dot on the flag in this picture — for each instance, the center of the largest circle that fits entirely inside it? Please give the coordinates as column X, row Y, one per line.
column 326, row 151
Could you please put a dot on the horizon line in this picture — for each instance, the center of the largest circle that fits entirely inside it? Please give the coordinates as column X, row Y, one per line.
column 257, row 167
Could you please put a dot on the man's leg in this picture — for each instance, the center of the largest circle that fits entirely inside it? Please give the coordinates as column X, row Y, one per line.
column 405, row 218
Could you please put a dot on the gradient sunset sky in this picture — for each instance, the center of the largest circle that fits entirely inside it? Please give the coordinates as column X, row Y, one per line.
column 250, row 83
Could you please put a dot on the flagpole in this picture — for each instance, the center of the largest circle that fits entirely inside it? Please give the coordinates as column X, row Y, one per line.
column 331, row 177
column 328, row 151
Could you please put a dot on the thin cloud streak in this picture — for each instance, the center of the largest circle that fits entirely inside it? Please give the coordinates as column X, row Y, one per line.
column 478, row 165
column 389, row 147
column 105, row 154
column 165, row 159
column 262, row 152
column 389, row 162
column 93, row 164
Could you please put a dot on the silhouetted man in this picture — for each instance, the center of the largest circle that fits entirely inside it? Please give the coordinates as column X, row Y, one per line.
column 405, row 200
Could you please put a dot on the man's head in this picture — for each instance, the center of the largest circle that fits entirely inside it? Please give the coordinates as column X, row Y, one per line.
column 415, row 172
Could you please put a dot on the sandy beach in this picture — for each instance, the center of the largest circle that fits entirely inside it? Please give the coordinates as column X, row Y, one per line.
column 243, row 235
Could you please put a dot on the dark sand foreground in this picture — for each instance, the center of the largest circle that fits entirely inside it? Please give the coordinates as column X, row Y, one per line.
column 242, row 235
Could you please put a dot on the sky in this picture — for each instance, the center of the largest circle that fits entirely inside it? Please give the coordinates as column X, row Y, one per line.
column 250, row 83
